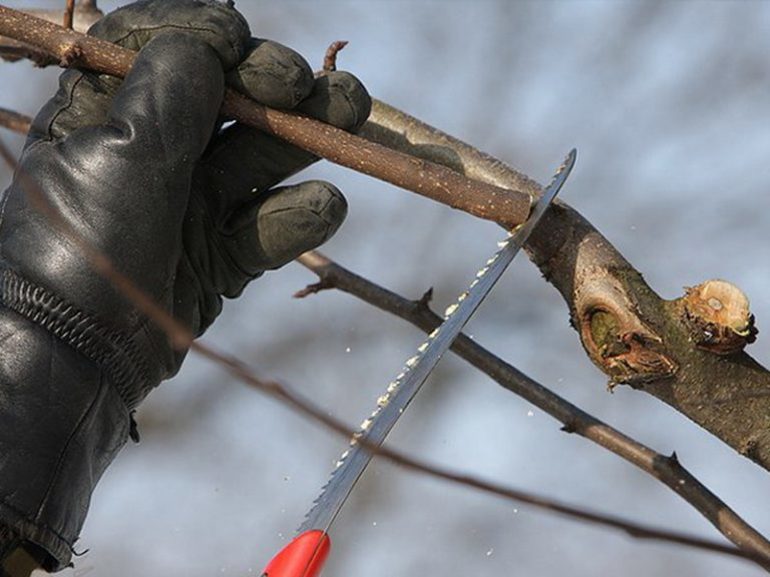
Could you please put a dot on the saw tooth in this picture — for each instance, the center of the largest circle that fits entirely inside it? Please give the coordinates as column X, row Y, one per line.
column 322, row 493
column 402, row 389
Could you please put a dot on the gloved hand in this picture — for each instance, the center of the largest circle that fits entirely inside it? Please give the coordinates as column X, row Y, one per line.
column 141, row 169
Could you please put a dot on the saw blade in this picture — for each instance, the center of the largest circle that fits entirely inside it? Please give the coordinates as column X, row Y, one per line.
column 400, row 392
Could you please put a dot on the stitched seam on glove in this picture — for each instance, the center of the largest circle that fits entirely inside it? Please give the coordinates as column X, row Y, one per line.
column 123, row 363
column 70, row 96
column 176, row 27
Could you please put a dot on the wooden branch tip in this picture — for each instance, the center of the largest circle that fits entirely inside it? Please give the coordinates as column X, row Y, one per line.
column 75, row 16
column 330, row 58
column 69, row 13
column 314, row 288
column 636, row 337
column 718, row 316
column 425, row 299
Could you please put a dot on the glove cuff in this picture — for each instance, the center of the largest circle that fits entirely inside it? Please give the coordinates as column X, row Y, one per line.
column 113, row 351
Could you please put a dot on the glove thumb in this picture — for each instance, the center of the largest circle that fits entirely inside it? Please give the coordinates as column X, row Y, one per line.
column 275, row 229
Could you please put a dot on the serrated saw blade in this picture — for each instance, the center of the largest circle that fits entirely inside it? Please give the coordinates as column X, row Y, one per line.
column 408, row 382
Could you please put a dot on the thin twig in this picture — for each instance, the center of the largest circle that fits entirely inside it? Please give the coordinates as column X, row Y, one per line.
column 668, row 470
column 15, row 121
column 507, row 207
column 68, row 13
column 330, row 58
column 12, row 51
column 181, row 337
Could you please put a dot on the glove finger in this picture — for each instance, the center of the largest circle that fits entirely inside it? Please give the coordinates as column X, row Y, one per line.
column 276, row 229
column 272, row 74
column 242, row 161
column 84, row 98
column 280, row 77
column 339, row 99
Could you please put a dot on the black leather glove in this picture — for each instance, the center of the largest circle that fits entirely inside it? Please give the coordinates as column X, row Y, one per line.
column 141, row 169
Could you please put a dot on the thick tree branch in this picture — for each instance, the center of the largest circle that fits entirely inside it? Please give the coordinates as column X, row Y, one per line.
column 78, row 17
column 508, row 207
column 666, row 469
column 685, row 352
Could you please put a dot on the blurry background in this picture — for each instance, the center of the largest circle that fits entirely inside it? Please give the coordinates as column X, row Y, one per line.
column 668, row 106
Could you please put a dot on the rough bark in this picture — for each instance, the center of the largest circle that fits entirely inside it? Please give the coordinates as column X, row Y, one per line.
column 79, row 17
column 692, row 361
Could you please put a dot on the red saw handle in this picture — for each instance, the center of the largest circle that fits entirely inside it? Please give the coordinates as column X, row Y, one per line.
column 303, row 557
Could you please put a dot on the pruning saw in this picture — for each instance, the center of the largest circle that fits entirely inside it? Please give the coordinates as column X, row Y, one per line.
column 305, row 555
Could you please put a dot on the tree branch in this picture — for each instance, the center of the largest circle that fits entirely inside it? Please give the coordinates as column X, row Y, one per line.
column 668, row 470
column 72, row 49
column 14, row 121
column 69, row 13
column 686, row 352
column 80, row 17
